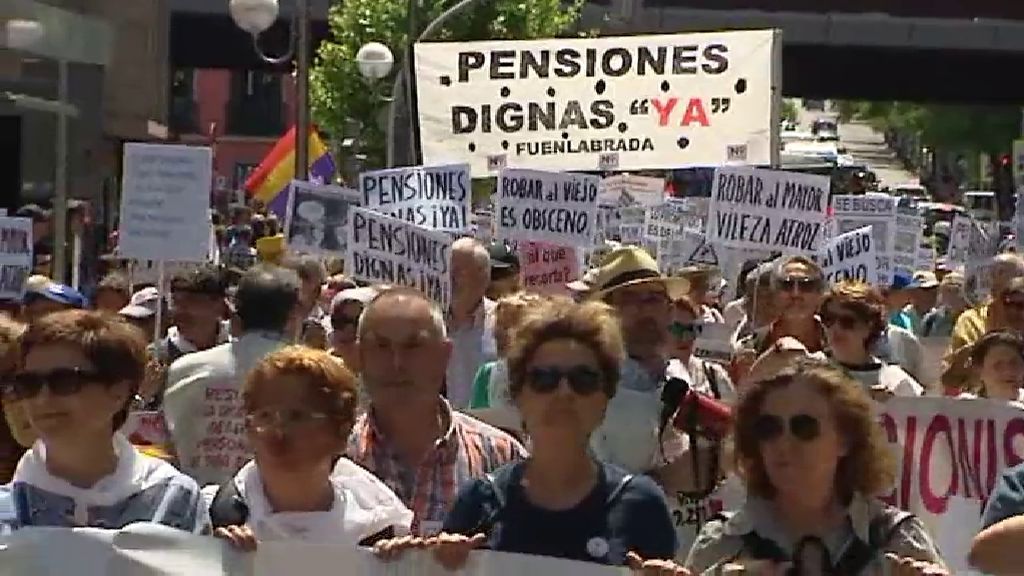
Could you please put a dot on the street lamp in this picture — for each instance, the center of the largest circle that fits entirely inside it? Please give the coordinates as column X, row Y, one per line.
column 255, row 17
column 375, row 61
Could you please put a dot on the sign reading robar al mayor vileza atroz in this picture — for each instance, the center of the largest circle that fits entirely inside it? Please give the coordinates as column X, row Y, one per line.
column 611, row 103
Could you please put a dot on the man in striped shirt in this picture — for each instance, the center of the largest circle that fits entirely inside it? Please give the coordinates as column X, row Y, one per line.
column 410, row 437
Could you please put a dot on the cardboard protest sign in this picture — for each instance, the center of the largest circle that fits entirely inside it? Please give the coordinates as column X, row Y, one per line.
column 958, row 251
column 316, row 219
column 909, row 232
column 606, row 103
column 767, row 209
column 546, row 268
column 878, row 211
column 386, row 250
column 15, row 256
column 686, row 248
column 435, row 197
column 553, row 207
column 165, row 202
column 850, row 256
column 714, row 343
column 950, row 453
column 663, row 221
column 629, row 189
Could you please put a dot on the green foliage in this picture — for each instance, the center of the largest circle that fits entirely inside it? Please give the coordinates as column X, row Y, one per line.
column 968, row 129
column 337, row 90
column 790, row 110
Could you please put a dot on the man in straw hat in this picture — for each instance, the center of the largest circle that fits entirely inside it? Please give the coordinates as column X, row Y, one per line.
column 628, row 279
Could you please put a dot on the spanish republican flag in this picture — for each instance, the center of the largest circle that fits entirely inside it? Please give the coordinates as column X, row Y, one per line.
column 268, row 183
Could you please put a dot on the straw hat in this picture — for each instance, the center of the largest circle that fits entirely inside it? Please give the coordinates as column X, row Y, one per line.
column 632, row 266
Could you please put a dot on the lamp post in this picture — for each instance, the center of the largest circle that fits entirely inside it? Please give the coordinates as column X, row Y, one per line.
column 255, row 17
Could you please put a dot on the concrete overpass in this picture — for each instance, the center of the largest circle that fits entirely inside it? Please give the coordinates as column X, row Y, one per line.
column 926, row 50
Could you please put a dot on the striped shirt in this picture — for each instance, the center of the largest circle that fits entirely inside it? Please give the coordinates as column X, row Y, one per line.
column 468, row 449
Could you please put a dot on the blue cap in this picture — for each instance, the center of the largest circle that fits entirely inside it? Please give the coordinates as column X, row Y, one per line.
column 60, row 293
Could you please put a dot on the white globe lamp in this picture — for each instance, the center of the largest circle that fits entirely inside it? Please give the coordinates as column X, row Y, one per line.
column 375, row 60
column 254, row 16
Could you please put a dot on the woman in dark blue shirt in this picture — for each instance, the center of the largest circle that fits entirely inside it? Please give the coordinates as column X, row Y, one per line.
column 563, row 369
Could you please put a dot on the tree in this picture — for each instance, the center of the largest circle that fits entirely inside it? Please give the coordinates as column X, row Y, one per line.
column 968, row 129
column 339, row 94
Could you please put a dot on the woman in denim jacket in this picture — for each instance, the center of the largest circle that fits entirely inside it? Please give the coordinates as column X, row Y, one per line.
column 78, row 376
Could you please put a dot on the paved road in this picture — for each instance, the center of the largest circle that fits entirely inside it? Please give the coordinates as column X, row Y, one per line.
column 867, row 146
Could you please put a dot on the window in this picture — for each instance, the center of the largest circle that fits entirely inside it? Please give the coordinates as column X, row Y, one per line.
column 184, row 113
column 255, row 107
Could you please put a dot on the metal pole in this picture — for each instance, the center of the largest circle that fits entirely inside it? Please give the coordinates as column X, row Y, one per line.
column 60, row 201
column 410, row 76
column 302, row 93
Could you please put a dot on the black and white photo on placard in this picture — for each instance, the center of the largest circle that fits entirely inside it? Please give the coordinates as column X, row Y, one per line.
column 316, row 221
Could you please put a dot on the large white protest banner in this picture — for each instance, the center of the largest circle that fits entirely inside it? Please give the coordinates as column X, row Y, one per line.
column 154, row 550
column 15, row 256
column 386, row 250
column 850, row 256
column 316, row 219
column 436, row 197
column 546, row 268
column 165, row 202
column 909, row 232
column 767, row 209
column 606, row 103
column 876, row 210
column 950, row 453
column 554, row 207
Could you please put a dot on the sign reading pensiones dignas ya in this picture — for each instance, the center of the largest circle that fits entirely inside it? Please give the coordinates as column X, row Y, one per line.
column 613, row 103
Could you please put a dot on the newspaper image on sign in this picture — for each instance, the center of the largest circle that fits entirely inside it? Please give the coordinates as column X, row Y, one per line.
column 909, row 232
column 554, row 207
column 767, row 209
column 386, row 250
column 316, row 217
column 610, row 103
column 878, row 211
column 435, row 197
column 15, row 256
column 629, row 189
column 850, row 256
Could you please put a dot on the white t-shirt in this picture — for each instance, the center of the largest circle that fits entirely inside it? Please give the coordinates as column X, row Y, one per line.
column 888, row 376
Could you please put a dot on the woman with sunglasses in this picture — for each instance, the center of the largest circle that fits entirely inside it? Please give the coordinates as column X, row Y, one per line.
column 854, row 316
column 812, row 456
column 299, row 408
column 564, row 367
column 79, row 374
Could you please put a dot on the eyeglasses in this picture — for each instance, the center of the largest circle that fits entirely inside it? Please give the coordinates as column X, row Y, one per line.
column 802, row 283
column 284, row 420
column 686, row 330
column 582, row 380
column 844, row 321
column 60, row 382
column 803, row 427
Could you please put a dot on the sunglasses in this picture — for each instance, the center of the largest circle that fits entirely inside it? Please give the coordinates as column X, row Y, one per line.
column 686, row 330
column 284, row 420
column 803, row 427
column 801, row 283
column 844, row 321
column 60, row 382
column 582, row 380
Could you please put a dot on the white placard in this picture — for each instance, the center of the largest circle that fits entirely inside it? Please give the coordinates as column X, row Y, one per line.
column 878, row 211
column 629, row 189
column 767, row 209
column 958, row 251
column 608, row 103
column 316, row 219
column 663, row 221
column 909, row 232
column 165, row 202
column 925, row 258
column 386, row 250
column 555, row 207
column 686, row 248
column 15, row 256
column 850, row 256
column 435, row 197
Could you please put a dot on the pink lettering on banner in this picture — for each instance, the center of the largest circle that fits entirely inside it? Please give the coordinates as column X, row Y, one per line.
column 933, row 500
column 224, row 444
column 146, row 427
column 547, row 268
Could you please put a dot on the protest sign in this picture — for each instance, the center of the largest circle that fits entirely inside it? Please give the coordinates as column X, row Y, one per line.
column 629, row 189
column 950, row 453
column 663, row 221
column 878, row 211
column 15, row 256
column 850, row 256
column 154, row 550
column 316, row 219
column 553, row 207
column 386, row 250
column 909, row 232
column 604, row 103
column 146, row 427
column 165, row 202
column 686, row 248
column 435, row 197
column 767, row 209
column 958, row 251
column 925, row 258
column 714, row 343
column 546, row 268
